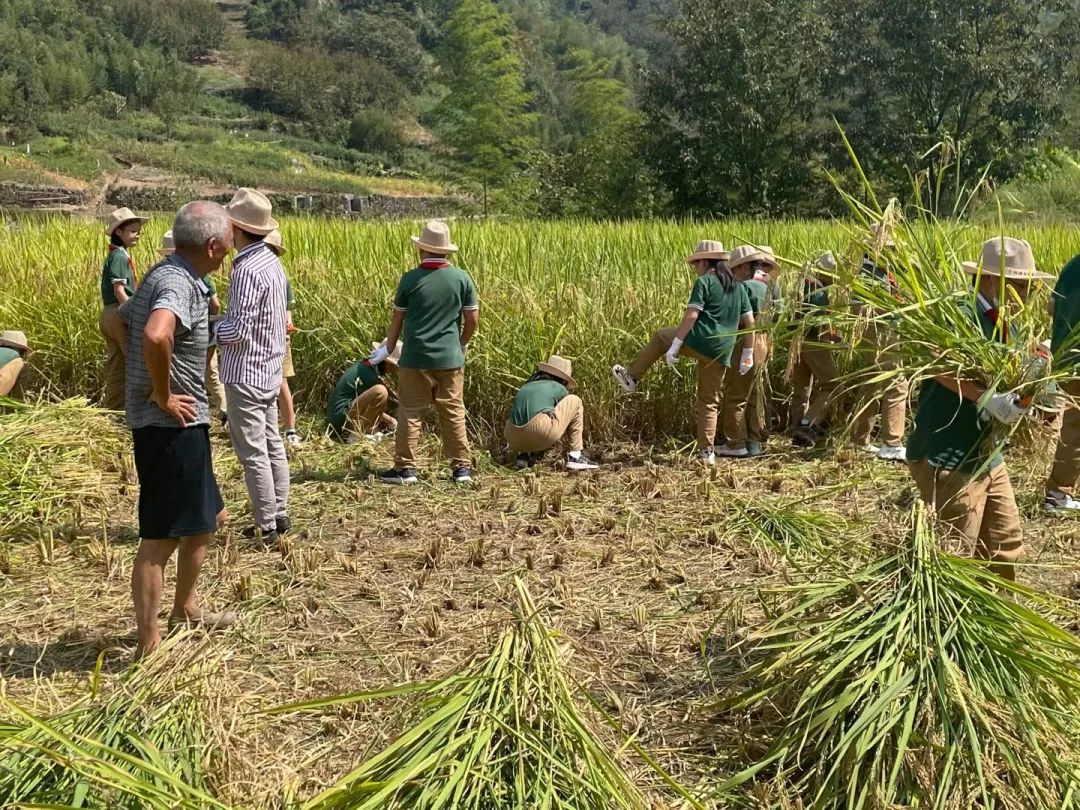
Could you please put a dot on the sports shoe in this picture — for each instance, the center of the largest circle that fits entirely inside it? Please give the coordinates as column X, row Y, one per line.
column 623, row 378
column 462, row 475
column 1060, row 502
column 284, row 524
column 707, row 456
column 293, row 438
column 402, row 476
column 892, row 453
column 754, row 449
column 807, row 436
column 375, row 438
column 580, row 463
column 727, row 451
column 524, row 461
column 865, row 448
column 265, row 538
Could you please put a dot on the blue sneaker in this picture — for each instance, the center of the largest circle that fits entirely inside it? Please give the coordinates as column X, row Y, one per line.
column 399, row 477
column 754, row 449
column 462, row 475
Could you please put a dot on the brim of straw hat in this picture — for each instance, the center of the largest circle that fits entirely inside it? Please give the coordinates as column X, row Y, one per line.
column 11, row 344
column 716, row 255
column 258, row 230
column 109, row 231
column 166, row 251
column 555, row 372
column 439, row 249
column 1014, row 273
column 760, row 256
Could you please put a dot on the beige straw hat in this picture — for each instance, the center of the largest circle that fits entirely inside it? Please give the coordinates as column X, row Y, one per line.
column 435, row 238
column 557, row 367
column 745, row 254
column 395, row 355
column 1008, row 257
column 827, row 261
column 708, row 249
column 14, row 340
column 167, row 247
column 119, row 217
column 250, row 211
column 273, row 239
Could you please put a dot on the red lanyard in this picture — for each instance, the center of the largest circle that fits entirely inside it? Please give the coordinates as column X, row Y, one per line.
column 434, row 264
column 995, row 317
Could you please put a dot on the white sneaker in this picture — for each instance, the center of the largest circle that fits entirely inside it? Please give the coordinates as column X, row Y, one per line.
column 1060, row 502
column 375, row 438
column 865, row 448
column 293, row 438
column 708, row 456
column 728, row 451
column 892, row 454
column 623, row 378
column 580, row 464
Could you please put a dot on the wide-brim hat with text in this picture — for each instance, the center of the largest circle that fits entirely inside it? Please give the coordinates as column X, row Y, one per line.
column 395, row 355
column 250, row 211
column 168, row 247
column 14, row 340
column 119, row 217
column 709, row 249
column 1007, row 257
column 745, row 254
column 435, row 238
column 558, row 367
column 273, row 239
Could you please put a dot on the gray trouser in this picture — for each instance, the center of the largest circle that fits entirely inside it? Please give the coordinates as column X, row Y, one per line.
column 253, row 426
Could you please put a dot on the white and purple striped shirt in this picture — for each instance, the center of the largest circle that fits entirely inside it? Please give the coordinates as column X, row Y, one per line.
column 251, row 337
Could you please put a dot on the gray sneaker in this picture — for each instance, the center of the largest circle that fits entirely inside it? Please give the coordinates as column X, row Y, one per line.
column 623, row 378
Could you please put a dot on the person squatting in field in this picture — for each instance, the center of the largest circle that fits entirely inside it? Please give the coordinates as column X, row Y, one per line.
column 544, row 413
column 13, row 353
column 118, row 284
column 360, row 401
column 719, row 309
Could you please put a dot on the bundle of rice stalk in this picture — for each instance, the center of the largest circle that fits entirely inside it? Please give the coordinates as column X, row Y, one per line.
column 784, row 525
column 920, row 680
column 141, row 747
column 502, row 732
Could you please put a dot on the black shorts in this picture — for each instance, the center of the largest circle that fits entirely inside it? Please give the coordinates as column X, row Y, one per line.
column 178, row 494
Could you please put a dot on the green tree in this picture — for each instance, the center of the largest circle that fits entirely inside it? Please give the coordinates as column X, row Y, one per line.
column 485, row 115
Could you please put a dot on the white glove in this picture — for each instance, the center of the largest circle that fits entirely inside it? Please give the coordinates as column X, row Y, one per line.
column 1005, row 408
column 746, row 362
column 379, row 355
column 672, row 356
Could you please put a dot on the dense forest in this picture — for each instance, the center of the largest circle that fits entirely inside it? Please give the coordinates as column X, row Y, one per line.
column 602, row 108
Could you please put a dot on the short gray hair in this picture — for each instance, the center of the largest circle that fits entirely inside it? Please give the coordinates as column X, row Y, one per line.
column 198, row 222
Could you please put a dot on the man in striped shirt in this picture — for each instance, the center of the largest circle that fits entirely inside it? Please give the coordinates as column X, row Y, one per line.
column 251, row 340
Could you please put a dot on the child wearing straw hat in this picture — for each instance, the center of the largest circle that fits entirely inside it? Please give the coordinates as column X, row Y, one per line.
column 358, row 404
column 947, row 453
column 1065, row 345
column 286, row 406
column 544, row 411
column 718, row 309
column 13, row 352
column 745, row 425
column 436, row 312
column 813, row 373
column 118, row 284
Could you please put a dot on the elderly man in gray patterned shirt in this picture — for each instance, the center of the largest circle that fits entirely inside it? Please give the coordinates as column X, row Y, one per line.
column 179, row 503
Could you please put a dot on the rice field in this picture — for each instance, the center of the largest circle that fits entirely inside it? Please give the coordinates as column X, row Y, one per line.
column 781, row 632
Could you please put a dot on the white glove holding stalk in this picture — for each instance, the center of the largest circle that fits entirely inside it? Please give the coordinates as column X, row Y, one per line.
column 672, row 356
column 1005, row 408
column 379, row 355
column 746, row 362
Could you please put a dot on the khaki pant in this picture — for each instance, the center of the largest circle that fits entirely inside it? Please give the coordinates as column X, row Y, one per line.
column 710, row 381
column 366, row 411
column 115, row 333
column 253, row 427
column 545, row 430
column 816, row 372
column 417, row 391
column 982, row 511
column 9, row 376
column 744, row 399
column 878, row 350
column 1066, row 467
column 215, row 391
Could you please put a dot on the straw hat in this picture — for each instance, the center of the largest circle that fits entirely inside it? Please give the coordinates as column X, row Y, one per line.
column 14, row 340
column 395, row 355
column 708, row 249
column 745, row 254
column 119, row 217
column 557, row 367
column 1008, row 257
column 167, row 247
column 827, row 261
column 435, row 238
column 250, row 210
column 273, row 239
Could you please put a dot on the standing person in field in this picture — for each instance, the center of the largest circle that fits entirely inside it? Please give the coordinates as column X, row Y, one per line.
column 1065, row 345
column 436, row 312
column 251, row 339
column 745, row 423
column 118, row 284
column 544, row 411
column 719, row 308
column 947, row 451
column 286, row 407
column 13, row 352
column 358, row 405
column 814, row 375
column 180, row 506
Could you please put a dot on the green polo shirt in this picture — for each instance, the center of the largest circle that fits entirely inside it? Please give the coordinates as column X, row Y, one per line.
column 211, row 288
column 950, row 431
column 1066, row 300
column 116, row 268
column 358, row 379
column 719, row 312
column 758, row 291
column 7, row 355
column 537, row 396
column 433, row 300
column 815, row 305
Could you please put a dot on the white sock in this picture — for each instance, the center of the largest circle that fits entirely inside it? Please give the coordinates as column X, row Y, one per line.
column 574, row 454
